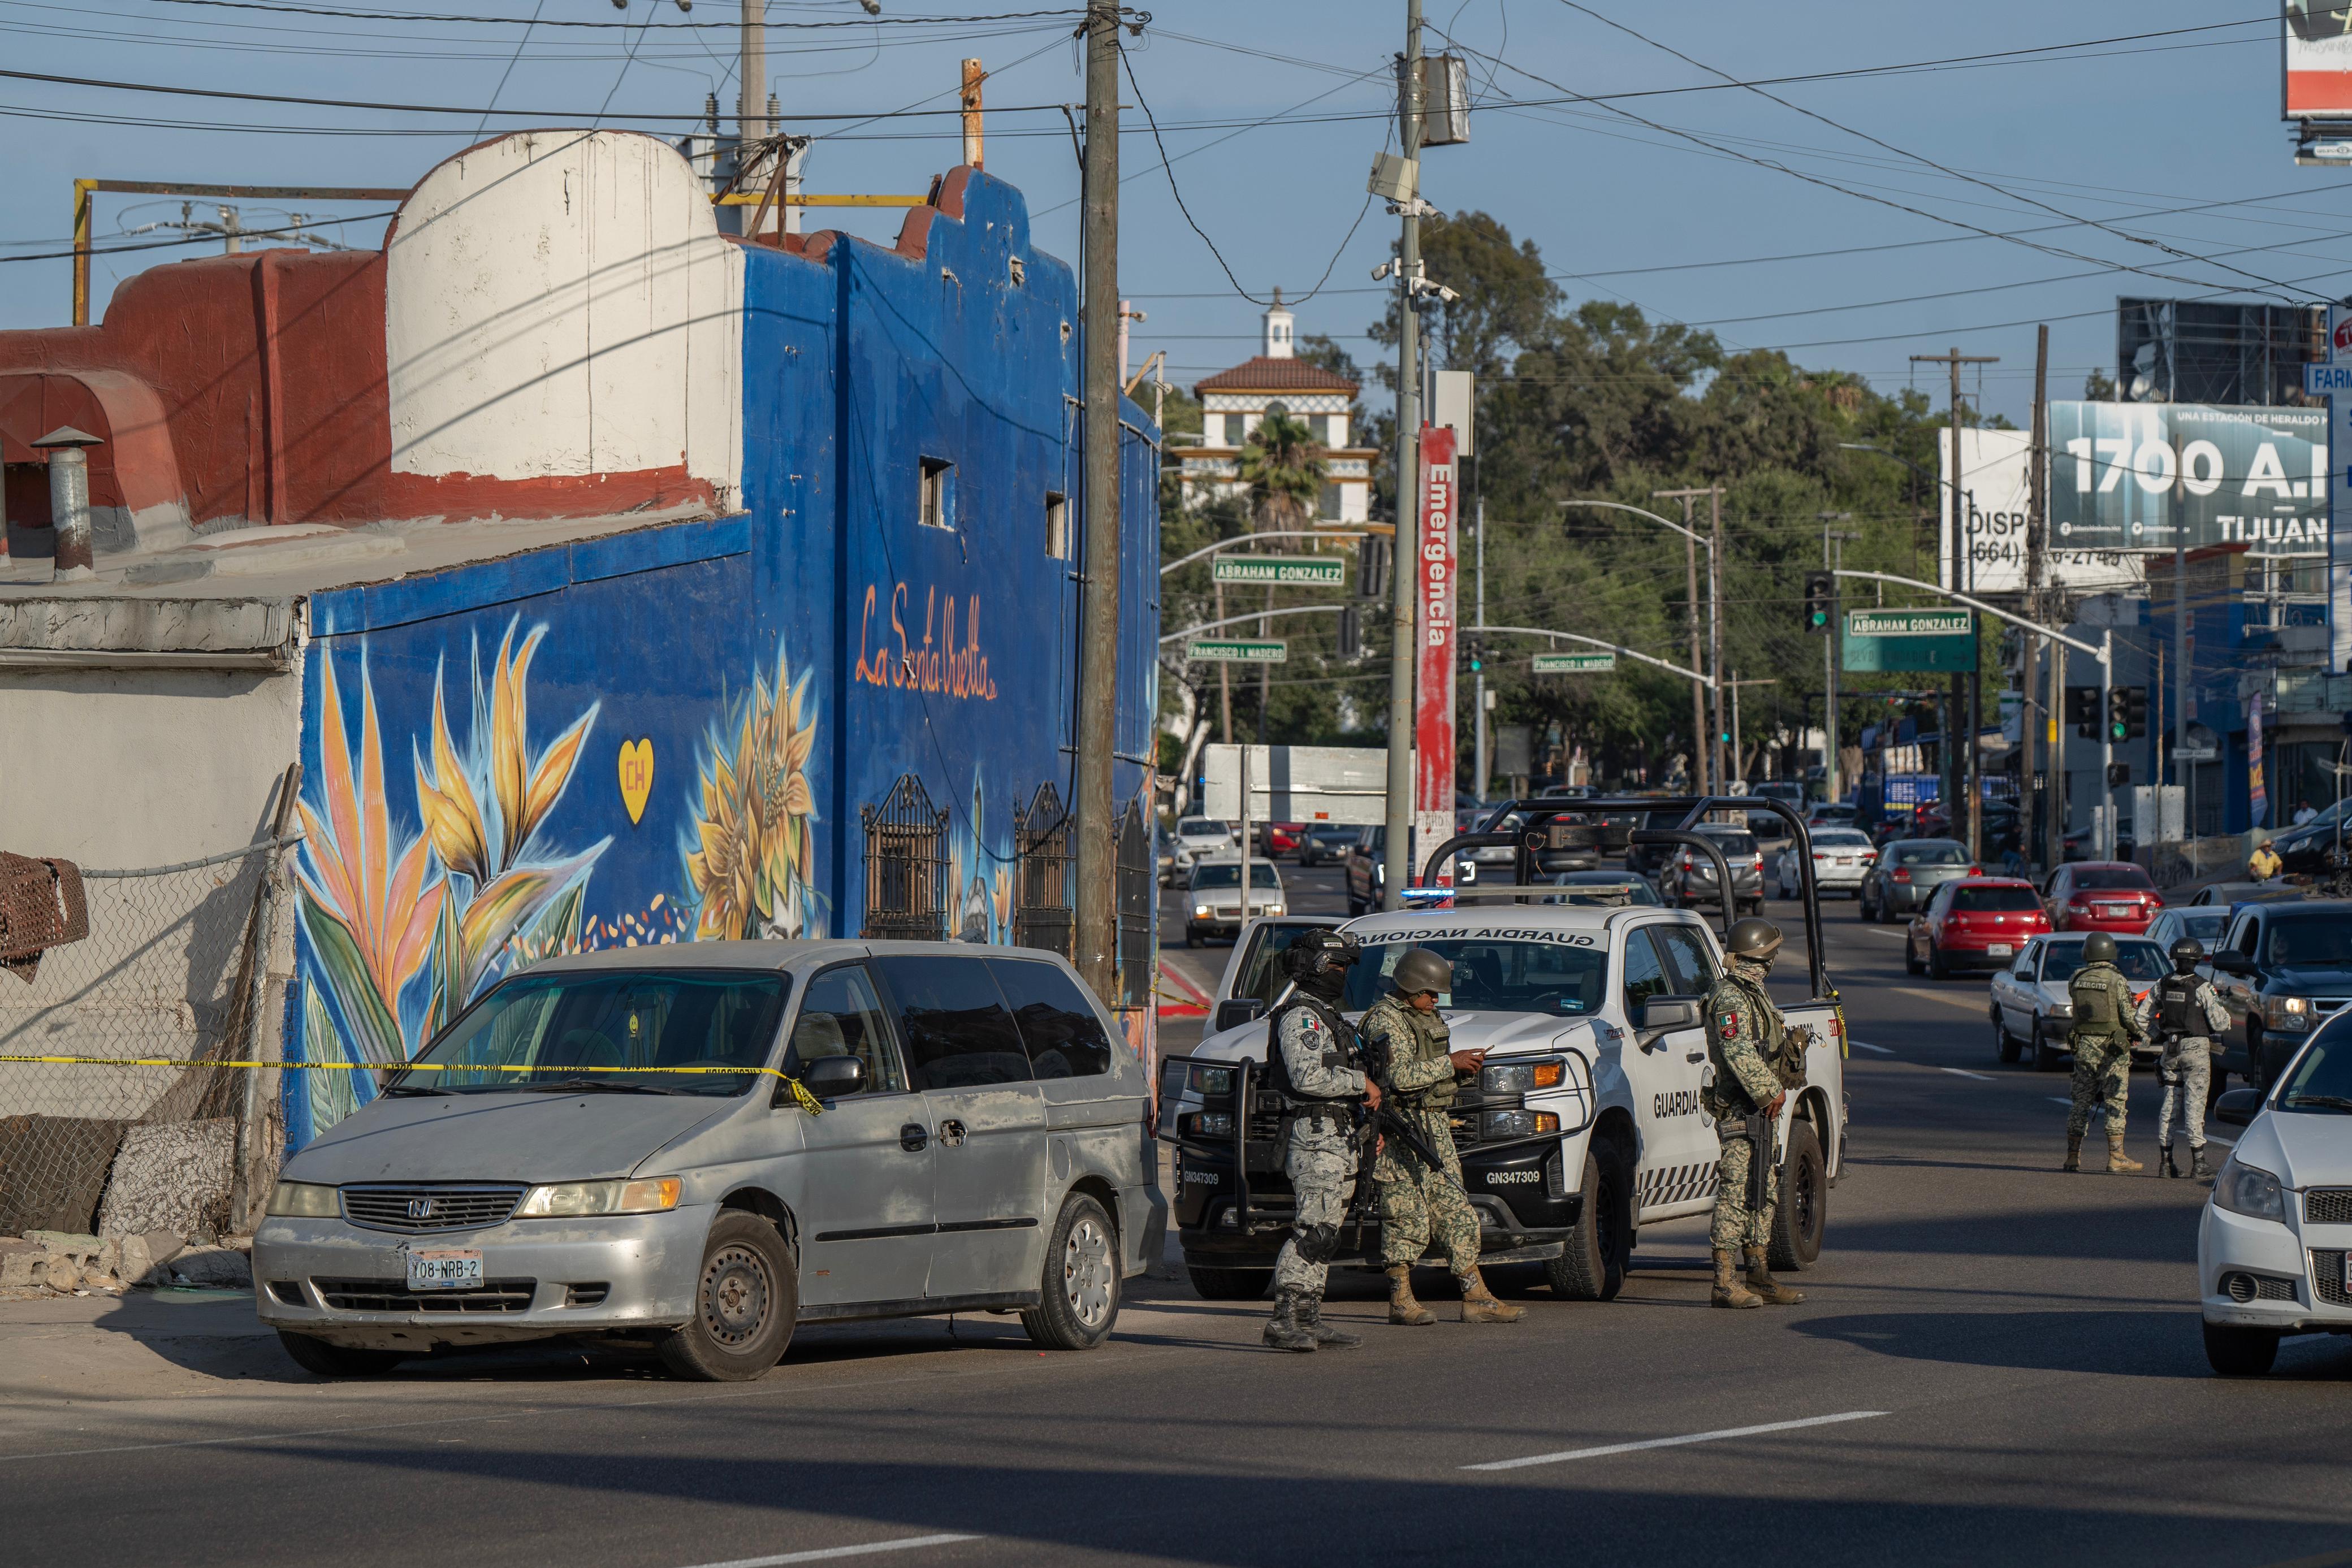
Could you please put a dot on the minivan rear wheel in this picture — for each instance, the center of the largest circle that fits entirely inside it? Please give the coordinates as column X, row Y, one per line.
column 746, row 1300
column 1079, row 1297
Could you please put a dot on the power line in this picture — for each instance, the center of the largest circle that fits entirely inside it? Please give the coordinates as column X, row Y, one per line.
column 865, row 21
column 198, row 239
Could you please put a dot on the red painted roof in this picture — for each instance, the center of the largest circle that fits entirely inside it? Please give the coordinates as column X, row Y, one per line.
column 1265, row 373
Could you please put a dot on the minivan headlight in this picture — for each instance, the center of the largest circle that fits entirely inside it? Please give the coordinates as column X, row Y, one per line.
column 567, row 1200
column 2248, row 1190
column 305, row 1200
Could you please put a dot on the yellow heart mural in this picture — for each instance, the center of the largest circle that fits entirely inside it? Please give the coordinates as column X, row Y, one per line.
column 636, row 775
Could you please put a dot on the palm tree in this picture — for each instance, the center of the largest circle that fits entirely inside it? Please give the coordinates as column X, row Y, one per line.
column 1284, row 467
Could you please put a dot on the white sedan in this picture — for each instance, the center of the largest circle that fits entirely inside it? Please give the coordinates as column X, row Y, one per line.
column 2275, row 1249
column 2031, row 1004
column 1840, row 855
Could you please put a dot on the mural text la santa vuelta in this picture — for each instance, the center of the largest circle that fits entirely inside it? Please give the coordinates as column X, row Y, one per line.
column 936, row 664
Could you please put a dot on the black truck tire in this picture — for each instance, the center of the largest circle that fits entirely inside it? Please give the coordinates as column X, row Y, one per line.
column 1801, row 1218
column 1591, row 1267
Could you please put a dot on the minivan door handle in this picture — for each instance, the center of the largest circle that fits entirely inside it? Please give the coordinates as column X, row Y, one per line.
column 913, row 1137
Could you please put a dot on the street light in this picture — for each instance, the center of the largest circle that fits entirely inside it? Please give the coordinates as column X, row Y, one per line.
column 1700, row 746
column 1830, row 652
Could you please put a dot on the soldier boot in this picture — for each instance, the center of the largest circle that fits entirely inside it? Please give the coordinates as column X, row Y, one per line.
column 1402, row 1307
column 2197, row 1166
column 2074, row 1152
column 1284, row 1331
column 1479, row 1305
column 2119, row 1162
column 1729, row 1291
column 1310, row 1318
column 2165, row 1163
column 1766, row 1287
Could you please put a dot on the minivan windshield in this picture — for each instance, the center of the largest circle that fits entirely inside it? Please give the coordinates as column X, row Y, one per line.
column 701, row 1031
column 1497, row 973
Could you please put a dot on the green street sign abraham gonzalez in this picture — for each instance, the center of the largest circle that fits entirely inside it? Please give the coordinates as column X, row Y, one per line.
column 1880, row 641
column 1286, row 571
column 1237, row 651
column 1574, row 664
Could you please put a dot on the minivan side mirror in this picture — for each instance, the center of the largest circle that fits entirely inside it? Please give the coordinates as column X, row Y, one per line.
column 1663, row 1015
column 831, row 1077
column 2237, row 1107
column 1235, row 1011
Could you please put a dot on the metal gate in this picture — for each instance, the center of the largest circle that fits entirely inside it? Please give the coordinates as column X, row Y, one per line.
column 1137, row 946
column 906, row 866
column 1041, row 873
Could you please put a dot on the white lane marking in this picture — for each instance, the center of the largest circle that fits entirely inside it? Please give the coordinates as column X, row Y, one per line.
column 2217, row 1138
column 827, row 1553
column 1882, row 931
column 1866, row 1045
column 2062, row 1100
column 1562, row 1457
column 1979, row 1077
column 1945, row 997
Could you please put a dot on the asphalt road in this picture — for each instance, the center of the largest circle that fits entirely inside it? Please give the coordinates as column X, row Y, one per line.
column 1998, row 1362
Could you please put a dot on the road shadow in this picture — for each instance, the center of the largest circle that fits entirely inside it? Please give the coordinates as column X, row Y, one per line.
column 2160, row 1344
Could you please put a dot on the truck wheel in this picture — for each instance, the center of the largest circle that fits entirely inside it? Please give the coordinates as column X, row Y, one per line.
column 746, row 1300
column 2240, row 1353
column 1079, row 1294
column 1592, row 1267
column 1803, row 1215
column 1229, row 1284
column 335, row 1359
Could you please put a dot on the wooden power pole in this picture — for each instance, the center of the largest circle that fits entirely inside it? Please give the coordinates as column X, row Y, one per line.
column 1095, row 807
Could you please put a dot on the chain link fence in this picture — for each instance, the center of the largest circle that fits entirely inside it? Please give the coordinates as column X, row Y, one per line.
column 173, row 970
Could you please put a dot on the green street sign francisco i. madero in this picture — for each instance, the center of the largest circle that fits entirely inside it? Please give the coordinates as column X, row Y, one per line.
column 1574, row 664
column 1237, row 651
column 1880, row 641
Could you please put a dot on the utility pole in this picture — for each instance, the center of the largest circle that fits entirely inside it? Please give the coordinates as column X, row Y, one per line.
column 751, row 127
column 1397, row 856
column 1097, row 862
column 1963, row 766
column 1478, row 680
column 1706, row 755
column 2041, row 611
column 1834, row 647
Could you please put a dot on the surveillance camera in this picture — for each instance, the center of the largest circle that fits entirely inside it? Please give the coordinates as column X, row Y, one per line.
column 1446, row 295
column 1381, row 271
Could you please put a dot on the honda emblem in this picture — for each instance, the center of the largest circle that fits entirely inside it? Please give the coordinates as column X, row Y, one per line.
column 420, row 1208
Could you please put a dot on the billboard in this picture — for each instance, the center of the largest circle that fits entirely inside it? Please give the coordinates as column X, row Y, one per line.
column 2128, row 478
column 2318, row 59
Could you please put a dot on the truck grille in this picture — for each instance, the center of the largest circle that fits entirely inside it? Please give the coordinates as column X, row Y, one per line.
column 414, row 1208
column 2328, row 1206
column 394, row 1296
column 2327, row 1279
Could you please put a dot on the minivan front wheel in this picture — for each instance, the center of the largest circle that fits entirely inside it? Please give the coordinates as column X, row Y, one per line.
column 1079, row 1297
column 746, row 1299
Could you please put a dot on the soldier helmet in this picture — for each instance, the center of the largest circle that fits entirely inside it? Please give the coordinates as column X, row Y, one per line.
column 2186, row 954
column 1422, row 970
column 1318, row 961
column 1755, row 938
column 2098, row 947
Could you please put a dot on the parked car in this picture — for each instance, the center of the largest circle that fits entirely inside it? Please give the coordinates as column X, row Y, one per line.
column 1199, row 836
column 2314, row 849
column 1976, row 922
column 2275, row 1236
column 2031, row 1007
column 2285, row 969
column 708, row 1211
column 2202, row 925
column 1842, row 858
column 2100, row 895
column 1907, row 875
column 1690, row 876
column 1829, row 814
column 1214, row 899
column 1324, row 842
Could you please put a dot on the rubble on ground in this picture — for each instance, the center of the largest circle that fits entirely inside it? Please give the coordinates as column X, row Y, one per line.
column 67, row 1263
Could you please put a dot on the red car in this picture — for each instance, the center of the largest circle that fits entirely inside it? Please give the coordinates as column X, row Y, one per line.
column 1974, row 923
column 2100, row 895
column 1279, row 838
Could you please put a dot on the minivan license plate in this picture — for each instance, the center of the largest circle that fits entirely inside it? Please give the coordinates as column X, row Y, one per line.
column 447, row 1270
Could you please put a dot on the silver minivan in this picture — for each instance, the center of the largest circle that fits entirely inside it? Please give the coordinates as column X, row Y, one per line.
column 811, row 1132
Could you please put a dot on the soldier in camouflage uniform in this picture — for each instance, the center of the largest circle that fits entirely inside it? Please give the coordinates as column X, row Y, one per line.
column 1312, row 1065
column 2175, row 1007
column 1758, row 1060
column 1407, row 1045
column 2105, row 1025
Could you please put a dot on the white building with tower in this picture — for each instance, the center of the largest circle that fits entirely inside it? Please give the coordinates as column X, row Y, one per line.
column 1276, row 381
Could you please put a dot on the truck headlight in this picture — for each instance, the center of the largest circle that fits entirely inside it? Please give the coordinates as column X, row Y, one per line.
column 1200, row 912
column 1269, row 909
column 305, row 1200
column 2248, row 1190
column 1522, row 1077
column 1213, row 1123
column 2287, row 1012
column 570, row 1200
column 1496, row 1126
column 1208, row 1081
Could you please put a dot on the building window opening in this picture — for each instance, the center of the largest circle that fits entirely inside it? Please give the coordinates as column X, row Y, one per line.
column 906, row 866
column 938, row 493
column 1042, row 912
column 1133, row 946
column 1057, row 525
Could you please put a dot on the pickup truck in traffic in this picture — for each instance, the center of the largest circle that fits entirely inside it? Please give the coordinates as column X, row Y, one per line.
column 1585, row 1122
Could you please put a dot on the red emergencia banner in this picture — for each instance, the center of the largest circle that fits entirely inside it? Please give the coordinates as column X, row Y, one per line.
column 1433, row 790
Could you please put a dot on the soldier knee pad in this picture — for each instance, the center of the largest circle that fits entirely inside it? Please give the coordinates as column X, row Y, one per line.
column 1319, row 1243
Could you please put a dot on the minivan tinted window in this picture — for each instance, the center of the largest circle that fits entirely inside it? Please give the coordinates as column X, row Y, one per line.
column 1065, row 1038
column 958, row 1031
column 570, row 1029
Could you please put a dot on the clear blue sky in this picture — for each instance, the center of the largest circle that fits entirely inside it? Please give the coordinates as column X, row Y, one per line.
column 1274, row 111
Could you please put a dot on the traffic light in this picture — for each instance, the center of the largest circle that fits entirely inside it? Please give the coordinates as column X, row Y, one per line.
column 2118, row 775
column 1373, row 568
column 2083, row 710
column 1821, row 600
column 2127, row 713
column 1351, row 633
column 1477, row 656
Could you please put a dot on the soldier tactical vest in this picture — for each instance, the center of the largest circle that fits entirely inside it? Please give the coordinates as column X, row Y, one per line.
column 2177, row 1012
column 1341, row 1052
column 2093, row 1000
column 1429, row 1038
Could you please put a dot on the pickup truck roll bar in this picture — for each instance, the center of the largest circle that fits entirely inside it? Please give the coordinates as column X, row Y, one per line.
column 1552, row 823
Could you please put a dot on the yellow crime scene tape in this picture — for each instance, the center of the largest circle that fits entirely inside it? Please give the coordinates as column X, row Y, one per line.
column 808, row 1102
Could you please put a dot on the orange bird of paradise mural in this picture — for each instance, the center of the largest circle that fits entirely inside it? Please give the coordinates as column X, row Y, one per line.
column 751, row 858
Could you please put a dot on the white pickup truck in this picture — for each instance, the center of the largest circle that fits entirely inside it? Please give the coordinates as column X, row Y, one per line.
column 1585, row 1123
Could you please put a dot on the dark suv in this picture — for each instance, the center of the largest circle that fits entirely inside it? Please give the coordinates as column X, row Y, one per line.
column 2282, row 970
